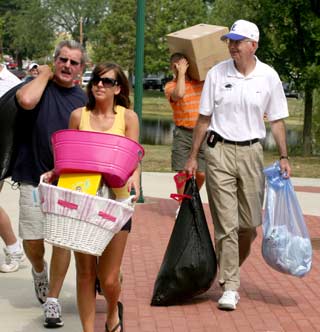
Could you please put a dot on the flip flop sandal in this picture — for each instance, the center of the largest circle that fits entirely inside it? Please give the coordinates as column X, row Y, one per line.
column 120, row 323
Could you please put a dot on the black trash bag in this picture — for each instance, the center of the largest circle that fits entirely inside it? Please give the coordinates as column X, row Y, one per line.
column 8, row 118
column 189, row 266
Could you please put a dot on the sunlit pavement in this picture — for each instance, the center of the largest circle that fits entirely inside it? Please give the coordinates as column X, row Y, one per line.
column 270, row 301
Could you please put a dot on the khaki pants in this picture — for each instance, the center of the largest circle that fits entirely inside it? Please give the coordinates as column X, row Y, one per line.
column 235, row 187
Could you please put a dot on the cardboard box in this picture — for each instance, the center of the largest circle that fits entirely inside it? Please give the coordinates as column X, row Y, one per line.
column 202, row 46
column 88, row 183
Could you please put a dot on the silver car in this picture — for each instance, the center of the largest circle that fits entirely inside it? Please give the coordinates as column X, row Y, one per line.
column 86, row 78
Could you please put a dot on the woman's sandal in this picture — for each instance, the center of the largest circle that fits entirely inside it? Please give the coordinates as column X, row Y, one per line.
column 120, row 324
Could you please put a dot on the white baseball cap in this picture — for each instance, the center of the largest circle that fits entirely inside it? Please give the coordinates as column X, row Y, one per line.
column 242, row 29
column 33, row 65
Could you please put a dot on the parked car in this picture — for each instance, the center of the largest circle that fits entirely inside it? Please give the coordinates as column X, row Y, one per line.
column 12, row 65
column 86, row 78
column 289, row 90
column 21, row 74
column 76, row 81
column 153, row 82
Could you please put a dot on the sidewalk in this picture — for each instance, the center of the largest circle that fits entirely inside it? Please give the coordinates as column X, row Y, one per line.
column 270, row 301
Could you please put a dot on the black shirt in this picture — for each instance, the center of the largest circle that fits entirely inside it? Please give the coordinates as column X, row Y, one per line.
column 35, row 127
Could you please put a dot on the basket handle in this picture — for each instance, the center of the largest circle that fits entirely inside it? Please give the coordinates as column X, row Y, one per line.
column 68, row 205
column 41, row 178
column 129, row 201
column 107, row 216
column 180, row 197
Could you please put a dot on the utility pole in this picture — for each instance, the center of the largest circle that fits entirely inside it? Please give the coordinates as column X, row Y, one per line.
column 81, row 33
column 81, row 42
column 138, row 88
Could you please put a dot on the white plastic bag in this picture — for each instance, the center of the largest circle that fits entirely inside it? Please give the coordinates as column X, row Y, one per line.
column 286, row 244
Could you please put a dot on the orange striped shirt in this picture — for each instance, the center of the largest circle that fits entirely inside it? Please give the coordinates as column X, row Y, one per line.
column 186, row 109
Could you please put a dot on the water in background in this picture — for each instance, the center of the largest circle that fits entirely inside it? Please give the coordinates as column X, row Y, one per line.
column 159, row 132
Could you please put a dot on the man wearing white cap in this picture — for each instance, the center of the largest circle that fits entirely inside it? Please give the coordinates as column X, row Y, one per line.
column 237, row 94
column 33, row 71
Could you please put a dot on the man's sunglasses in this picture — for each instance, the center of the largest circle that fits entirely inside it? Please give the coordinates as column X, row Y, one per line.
column 106, row 81
column 65, row 60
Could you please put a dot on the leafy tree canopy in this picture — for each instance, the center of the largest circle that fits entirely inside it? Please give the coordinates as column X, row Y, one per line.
column 26, row 32
column 115, row 37
column 290, row 35
column 66, row 16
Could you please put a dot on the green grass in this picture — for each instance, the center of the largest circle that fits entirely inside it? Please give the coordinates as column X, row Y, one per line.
column 155, row 105
column 158, row 159
column 295, row 118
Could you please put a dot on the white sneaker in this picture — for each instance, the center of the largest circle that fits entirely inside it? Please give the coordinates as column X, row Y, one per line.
column 52, row 314
column 41, row 284
column 12, row 261
column 229, row 300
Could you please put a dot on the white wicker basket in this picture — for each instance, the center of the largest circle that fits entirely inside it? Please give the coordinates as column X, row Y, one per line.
column 81, row 222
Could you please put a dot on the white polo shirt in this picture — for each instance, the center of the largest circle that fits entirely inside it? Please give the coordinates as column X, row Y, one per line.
column 237, row 104
column 7, row 80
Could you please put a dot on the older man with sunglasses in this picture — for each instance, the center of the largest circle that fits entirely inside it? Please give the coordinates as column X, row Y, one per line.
column 45, row 106
column 237, row 94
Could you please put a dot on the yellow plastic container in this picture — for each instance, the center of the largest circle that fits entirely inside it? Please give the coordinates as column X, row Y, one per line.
column 88, row 183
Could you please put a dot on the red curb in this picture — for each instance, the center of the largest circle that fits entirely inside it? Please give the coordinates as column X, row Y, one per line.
column 307, row 189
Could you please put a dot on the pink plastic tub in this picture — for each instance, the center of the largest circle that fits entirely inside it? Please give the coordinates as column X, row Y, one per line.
column 114, row 156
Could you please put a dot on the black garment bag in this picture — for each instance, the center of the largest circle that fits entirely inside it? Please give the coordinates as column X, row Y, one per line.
column 8, row 118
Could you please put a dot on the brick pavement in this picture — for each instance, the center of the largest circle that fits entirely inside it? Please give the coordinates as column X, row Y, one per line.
column 270, row 301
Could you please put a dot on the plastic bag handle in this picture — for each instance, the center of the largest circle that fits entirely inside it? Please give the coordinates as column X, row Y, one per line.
column 180, row 197
column 181, row 178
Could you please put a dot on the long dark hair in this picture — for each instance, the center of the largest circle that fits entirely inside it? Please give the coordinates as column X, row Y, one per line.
column 122, row 98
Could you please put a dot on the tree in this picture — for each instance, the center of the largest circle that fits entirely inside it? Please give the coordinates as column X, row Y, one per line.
column 66, row 16
column 21, row 36
column 289, row 42
column 164, row 17
column 316, row 121
column 114, row 38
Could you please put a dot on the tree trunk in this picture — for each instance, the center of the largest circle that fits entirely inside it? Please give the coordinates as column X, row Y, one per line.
column 19, row 60
column 307, row 123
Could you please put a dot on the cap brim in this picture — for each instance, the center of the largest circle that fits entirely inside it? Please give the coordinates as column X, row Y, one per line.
column 232, row 36
column 33, row 65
